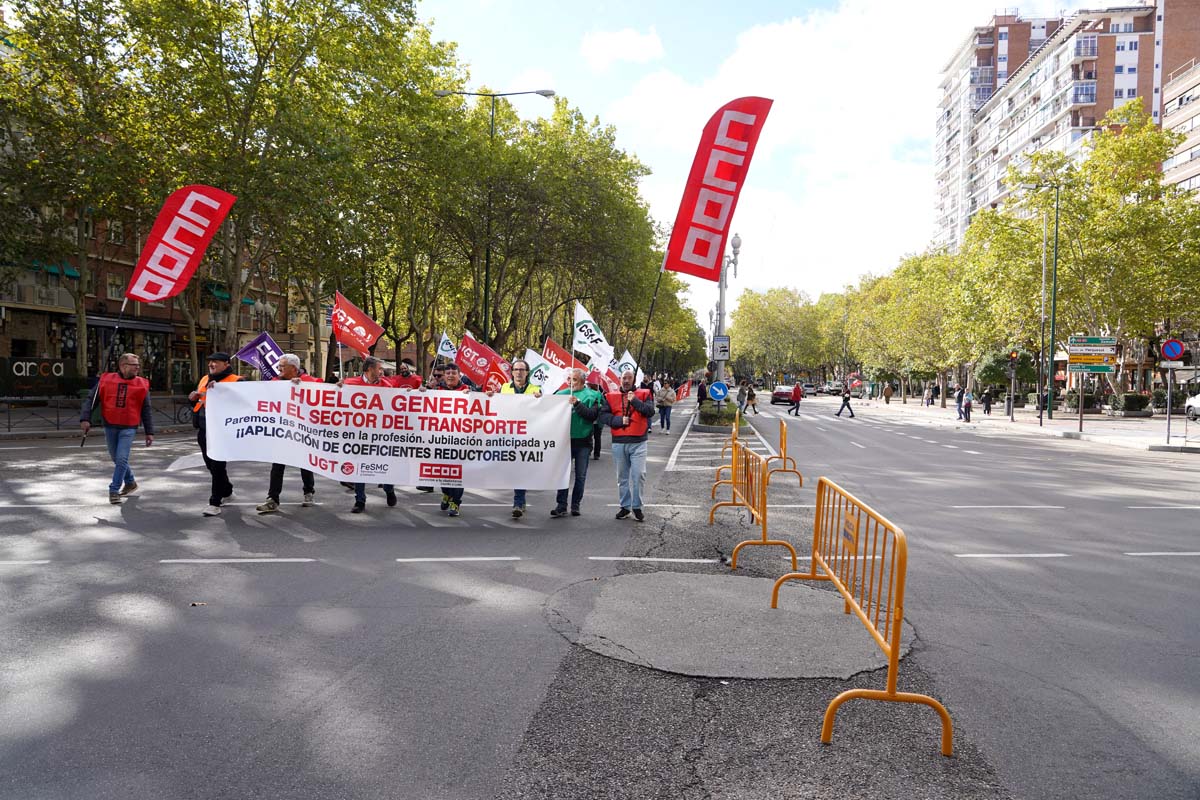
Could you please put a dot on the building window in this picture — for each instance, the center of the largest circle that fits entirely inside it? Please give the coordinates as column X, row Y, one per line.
column 1131, row 71
column 116, row 286
column 116, row 231
column 1118, row 69
column 1119, row 93
column 1001, row 59
column 1003, row 35
column 1133, row 45
column 1120, row 47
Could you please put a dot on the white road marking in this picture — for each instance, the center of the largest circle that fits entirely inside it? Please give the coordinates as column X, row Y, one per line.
column 1163, row 508
column 1010, row 555
column 951, row 446
column 468, row 502
column 457, row 558
column 931, row 441
column 859, row 446
column 22, row 563
column 822, row 430
column 678, row 444
column 655, row 505
column 236, row 560
column 1157, row 553
column 1058, row 507
column 662, row 560
column 973, row 452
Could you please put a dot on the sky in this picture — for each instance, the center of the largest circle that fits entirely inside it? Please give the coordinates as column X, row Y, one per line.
column 841, row 184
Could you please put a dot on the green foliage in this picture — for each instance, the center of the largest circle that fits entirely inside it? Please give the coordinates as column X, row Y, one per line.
column 1130, row 401
column 709, row 415
column 992, row 367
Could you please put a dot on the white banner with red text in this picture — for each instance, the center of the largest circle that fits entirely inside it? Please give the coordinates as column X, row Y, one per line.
column 366, row 434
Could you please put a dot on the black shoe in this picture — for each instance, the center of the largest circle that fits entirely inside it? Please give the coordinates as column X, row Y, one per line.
column 575, row 511
column 424, row 488
column 391, row 497
column 558, row 511
column 623, row 513
column 358, row 508
column 638, row 515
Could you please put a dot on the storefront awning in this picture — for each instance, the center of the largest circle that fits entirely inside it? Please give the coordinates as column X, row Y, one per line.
column 54, row 269
column 223, row 294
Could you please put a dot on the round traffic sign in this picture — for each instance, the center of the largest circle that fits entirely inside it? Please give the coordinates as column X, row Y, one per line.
column 1172, row 350
column 718, row 391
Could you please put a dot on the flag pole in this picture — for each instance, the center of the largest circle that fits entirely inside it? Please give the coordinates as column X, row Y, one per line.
column 104, row 363
column 653, row 300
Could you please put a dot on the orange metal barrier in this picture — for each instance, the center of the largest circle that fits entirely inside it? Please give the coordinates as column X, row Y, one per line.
column 788, row 463
column 750, row 492
column 866, row 557
column 733, row 437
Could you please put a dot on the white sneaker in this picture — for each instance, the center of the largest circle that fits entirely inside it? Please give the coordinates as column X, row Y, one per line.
column 212, row 511
column 308, row 499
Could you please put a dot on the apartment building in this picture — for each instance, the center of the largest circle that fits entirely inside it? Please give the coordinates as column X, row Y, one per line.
column 1086, row 65
column 1181, row 113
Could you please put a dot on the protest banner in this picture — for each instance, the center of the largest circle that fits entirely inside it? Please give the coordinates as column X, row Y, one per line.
column 368, row 434
column 177, row 241
column 352, row 327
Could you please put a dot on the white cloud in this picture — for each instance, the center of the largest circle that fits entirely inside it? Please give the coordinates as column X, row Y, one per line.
column 842, row 183
column 602, row 49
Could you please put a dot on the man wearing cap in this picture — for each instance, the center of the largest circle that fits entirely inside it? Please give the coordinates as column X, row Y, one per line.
column 289, row 370
column 629, row 412
column 372, row 375
column 124, row 400
column 219, row 371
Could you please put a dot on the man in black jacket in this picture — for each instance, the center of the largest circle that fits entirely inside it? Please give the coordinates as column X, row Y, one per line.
column 219, row 371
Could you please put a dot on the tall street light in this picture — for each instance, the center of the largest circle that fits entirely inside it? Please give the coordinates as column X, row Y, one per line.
column 1053, row 303
column 487, row 252
column 727, row 262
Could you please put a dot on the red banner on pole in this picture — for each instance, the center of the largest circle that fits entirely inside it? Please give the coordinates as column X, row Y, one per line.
column 483, row 365
column 351, row 325
column 177, row 241
column 713, row 187
column 553, row 352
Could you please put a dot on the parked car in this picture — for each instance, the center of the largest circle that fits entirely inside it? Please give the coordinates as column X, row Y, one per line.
column 809, row 389
column 856, row 391
column 1193, row 407
column 821, row 389
column 782, row 394
column 833, row 387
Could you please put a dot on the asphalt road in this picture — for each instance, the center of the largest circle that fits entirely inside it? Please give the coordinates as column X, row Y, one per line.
column 348, row 673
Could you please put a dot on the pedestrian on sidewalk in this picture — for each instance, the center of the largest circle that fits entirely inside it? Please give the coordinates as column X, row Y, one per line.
column 124, row 400
column 219, row 371
column 289, row 370
column 741, row 396
column 628, row 413
column 887, row 394
column 927, row 397
column 752, row 400
column 665, row 398
column 958, row 399
column 519, row 385
column 586, row 404
column 986, row 399
column 797, row 396
column 966, row 406
column 845, row 403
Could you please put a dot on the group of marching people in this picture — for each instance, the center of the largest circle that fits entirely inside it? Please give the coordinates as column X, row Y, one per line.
column 123, row 400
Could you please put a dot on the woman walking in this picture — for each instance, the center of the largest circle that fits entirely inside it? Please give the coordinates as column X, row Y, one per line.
column 665, row 398
column 751, row 399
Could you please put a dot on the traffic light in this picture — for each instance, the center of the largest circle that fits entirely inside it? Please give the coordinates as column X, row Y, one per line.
column 1013, row 355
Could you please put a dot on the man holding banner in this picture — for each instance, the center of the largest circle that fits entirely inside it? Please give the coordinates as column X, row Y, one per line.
column 288, row 366
column 219, row 371
column 372, row 375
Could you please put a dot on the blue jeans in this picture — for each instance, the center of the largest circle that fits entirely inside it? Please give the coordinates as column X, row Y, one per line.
column 631, row 472
column 579, row 455
column 120, row 442
column 518, row 498
column 664, row 417
column 360, row 491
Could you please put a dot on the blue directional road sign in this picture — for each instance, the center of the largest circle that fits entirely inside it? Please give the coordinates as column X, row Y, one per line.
column 718, row 391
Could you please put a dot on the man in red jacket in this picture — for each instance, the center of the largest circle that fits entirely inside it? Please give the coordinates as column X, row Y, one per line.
column 628, row 413
column 289, row 370
column 797, row 396
column 124, row 400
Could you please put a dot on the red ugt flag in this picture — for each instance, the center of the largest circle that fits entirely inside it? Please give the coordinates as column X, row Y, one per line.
column 713, row 186
column 483, row 365
column 553, row 352
column 176, row 244
column 352, row 327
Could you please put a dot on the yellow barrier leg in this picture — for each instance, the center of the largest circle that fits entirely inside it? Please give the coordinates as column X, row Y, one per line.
column 749, row 542
column 793, row 576
column 898, row 697
column 795, row 472
column 712, row 511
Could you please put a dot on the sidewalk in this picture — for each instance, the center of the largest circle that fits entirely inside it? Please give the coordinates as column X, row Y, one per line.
column 58, row 418
column 1137, row 433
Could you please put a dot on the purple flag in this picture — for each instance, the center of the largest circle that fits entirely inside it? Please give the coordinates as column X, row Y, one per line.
column 263, row 354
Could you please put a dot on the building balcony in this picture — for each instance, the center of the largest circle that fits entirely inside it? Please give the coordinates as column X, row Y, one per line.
column 982, row 75
column 1083, row 93
column 985, row 41
column 51, row 298
column 1085, row 47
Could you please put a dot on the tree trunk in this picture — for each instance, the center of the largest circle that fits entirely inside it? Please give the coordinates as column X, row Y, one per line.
column 81, row 340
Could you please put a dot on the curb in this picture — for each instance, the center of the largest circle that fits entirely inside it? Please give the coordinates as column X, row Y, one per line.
column 8, row 436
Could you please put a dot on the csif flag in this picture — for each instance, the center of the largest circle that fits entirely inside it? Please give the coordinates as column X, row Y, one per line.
column 713, row 186
column 627, row 364
column 177, row 241
column 446, row 348
column 588, row 337
column 542, row 373
column 351, row 325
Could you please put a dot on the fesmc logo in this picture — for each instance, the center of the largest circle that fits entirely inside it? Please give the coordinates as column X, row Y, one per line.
column 441, row 471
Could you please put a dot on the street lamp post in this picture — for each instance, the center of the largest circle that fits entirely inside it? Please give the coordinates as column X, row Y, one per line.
column 728, row 261
column 487, row 245
column 1053, row 310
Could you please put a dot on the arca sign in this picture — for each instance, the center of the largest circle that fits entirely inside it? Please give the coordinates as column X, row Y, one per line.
column 38, row 369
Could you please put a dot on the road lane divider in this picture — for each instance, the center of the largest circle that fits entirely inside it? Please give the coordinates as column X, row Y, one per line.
column 1011, row 555
column 749, row 489
column 865, row 556
column 787, row 463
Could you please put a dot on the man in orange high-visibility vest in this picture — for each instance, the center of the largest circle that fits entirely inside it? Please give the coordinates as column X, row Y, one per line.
column 219, row 371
